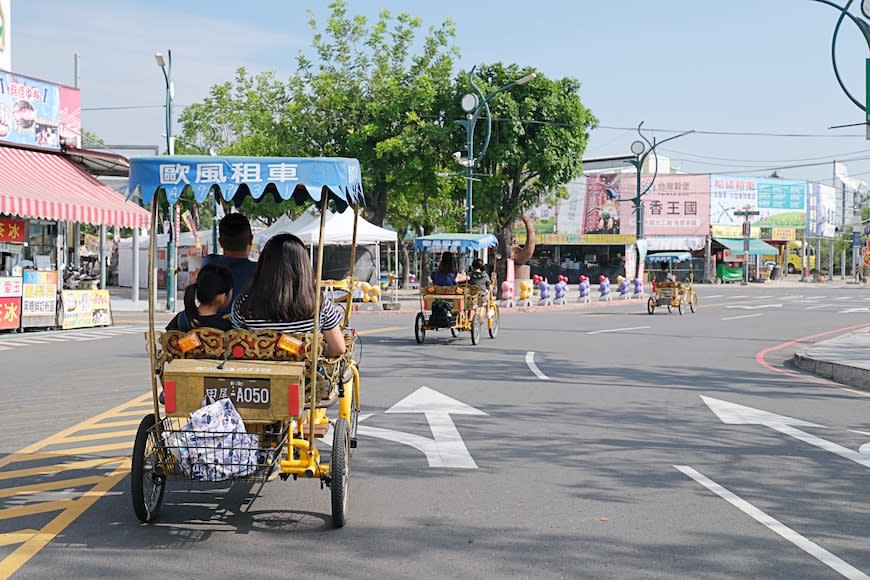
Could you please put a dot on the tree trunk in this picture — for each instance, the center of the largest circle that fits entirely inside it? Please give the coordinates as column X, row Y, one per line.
column 406, row 265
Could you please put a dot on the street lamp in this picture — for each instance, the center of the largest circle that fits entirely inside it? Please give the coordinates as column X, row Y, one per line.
column 640, row 154
column 472, row 106
column 166, row 66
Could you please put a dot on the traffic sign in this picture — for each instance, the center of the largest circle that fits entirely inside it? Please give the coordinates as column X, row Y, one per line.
column 747, row 213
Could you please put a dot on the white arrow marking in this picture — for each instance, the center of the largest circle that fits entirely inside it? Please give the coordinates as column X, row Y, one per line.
column 755, row 307
column 734, row 414
column 446, row 449
column 810, row 547
column 530, row 362
column 618, row 329
column 851, row 310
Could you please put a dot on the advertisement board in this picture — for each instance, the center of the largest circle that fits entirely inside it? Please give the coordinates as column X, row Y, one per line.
column 10, row 302
column 676, row 205
column 821, row 210
column 5, row 35
column 85, row 308
column 37, row 113
column 781, row 203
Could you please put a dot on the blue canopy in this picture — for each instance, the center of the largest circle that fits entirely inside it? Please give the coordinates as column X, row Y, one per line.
column 234, row 178
column 455, row 242
column 669, row 257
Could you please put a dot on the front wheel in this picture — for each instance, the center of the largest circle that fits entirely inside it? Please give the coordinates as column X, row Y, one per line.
column 454, row 332
column 420, row 328
column 651, row 305
column 493, row 320
column 475, row 328
column 680, row 307
column 146, row 483
column 339, row 472
column 693, row 302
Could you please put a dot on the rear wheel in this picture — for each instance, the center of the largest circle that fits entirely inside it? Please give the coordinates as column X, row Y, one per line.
column 494, row 320
column 680, row 307
column 693, row 302
column 475, row 328
column 454, row 332
column 146, row 483
column 651, row 305
column 420, row 328
column 339, row 472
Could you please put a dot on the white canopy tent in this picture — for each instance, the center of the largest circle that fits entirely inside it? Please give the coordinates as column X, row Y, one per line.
column 338, row 232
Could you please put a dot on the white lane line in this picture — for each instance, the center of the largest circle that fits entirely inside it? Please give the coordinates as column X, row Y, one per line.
column 740, row 296
column 816, row 306
column 530, row 362
column 742, row 316
column 808, row 546
column 843, row 298
column 765, row 297
column 791, row 297
column 721, row 295
column 32, row 340
column 618, row 329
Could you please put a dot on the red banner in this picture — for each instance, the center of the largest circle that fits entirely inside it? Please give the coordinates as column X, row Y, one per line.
column 12, row 231
column 10, row 313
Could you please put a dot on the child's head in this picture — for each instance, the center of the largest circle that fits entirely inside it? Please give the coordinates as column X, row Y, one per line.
column 477, row 264
column 213, row 288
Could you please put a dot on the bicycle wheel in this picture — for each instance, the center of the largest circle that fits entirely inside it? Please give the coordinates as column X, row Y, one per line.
column 146, row 484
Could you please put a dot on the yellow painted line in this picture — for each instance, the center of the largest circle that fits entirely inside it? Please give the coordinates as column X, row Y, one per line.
column 130, row 434
column 127, row 423
column 50, row 486
column 32, row 509
column 127, row 446
column 19, row 537
column 55, row 469
column 379, row 330
column 31, row 547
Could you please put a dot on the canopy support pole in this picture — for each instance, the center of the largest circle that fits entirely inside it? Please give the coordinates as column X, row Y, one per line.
column 316, row 338
column 352, row 266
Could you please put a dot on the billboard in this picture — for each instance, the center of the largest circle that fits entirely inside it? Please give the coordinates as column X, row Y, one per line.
column 37, row 113
column 676, row 205
column 781, row 204
column 5, row 35
column 821, row 210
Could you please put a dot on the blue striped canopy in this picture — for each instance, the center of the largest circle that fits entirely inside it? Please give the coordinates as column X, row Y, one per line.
column 234, row 178
column 455, row 242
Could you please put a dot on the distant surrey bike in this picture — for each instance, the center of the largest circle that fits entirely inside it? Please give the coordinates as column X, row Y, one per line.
column 673, row 295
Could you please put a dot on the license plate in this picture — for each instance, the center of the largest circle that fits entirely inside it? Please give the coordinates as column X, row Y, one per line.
column 244, row 393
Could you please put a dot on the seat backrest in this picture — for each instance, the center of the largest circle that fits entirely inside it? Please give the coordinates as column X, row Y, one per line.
column 236, row 344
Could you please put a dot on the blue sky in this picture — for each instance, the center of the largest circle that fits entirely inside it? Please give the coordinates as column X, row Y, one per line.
column 757, row 73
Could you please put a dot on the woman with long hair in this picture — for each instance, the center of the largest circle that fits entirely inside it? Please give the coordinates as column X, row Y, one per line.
column 445, row 274
column 282, row 292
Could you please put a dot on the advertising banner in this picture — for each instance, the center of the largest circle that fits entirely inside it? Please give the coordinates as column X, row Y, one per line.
column 821, row 210
column 70, row 116
column 39, row 300
column 29, row 111
column 5, row 35
column 10, row 313
column 85, row 308
column 602, row 211
column 40, row 277
column 12, row 231
column 10, row 287
column 676, row 205
column 782, row 203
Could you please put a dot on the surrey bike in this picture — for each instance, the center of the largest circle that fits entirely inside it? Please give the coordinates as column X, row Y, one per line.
column 243, row 405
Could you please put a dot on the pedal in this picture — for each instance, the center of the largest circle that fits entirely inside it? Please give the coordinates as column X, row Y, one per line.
column 353, row 443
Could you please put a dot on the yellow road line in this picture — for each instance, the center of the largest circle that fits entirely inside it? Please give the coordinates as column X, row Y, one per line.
column 129, row 433
column 126, row 423
column 55, row 469
column 379, row 330
column 19, row 537
column 127, row 446
column 24, row 490
column 31, row 547
column 32, row 509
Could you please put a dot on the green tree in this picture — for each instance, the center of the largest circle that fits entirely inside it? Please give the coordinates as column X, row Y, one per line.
column 539, row 133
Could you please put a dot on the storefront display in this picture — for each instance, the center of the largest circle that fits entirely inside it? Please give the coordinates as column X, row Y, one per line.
column 39, row 304
column 85, row 308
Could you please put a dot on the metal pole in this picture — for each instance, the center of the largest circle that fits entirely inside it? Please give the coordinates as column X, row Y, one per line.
column 171, row 258
column 103, row 277
column 134, row 292
column 469, row 169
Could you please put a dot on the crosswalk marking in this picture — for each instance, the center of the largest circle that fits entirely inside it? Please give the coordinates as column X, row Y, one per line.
column 17, row 340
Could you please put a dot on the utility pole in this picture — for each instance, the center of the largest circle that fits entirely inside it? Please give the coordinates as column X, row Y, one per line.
column 746, row 213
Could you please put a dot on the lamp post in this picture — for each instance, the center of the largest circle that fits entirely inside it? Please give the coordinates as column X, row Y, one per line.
column 166, row 66
column 639, row 148
column 473, row 107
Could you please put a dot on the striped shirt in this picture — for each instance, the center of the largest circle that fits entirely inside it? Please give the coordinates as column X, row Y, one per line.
column 330, row 317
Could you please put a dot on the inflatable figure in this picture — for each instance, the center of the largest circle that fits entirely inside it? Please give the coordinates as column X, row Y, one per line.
column 584, row 289
column 561, row 289
column 637, row 288
column 624, row 287
column 604, row 288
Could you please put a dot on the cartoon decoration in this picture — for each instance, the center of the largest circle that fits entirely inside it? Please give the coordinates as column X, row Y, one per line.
column 608, row 213
column 604, row 288
column 544, row 288
column 584, row 289
column 507, row 293
column 561, row 289
column 624, row 287
column 526, row 288
column 637, row 288
column 369, row 293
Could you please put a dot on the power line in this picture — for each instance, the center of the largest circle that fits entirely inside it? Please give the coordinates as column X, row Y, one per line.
column 834, row 156
column 735, row 133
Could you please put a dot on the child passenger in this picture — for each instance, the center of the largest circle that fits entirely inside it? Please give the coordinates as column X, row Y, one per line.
column 205, row 299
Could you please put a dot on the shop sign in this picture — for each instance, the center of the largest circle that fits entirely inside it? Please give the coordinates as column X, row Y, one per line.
column 40, row 277
column 779, row 234
column 39, row 300
column 608, row 239
column 10, row 287
column 11, row 231
column 10, row 312
column 721, row 231
column 85, row 308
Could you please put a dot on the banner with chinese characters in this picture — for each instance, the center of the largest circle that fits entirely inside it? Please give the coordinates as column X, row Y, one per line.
column 10, row 302
column 85, row 308
column 39, row 304
column 821, row 210
column 29, row 111
column 781, row 203
column 675, row 205
column 12, row 231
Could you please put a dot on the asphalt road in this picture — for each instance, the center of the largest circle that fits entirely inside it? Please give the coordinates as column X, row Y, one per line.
column 586, row 442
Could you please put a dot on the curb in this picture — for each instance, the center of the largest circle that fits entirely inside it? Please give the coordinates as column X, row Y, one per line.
column 844, row 374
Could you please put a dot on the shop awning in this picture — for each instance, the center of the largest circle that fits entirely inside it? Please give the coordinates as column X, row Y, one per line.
column 35, row 184
column 455, row 242
column 756, row 247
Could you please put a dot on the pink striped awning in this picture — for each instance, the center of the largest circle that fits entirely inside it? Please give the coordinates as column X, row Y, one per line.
column 35, row 184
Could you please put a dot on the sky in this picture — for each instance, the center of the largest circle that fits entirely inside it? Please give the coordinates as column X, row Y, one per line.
column 753, row 78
